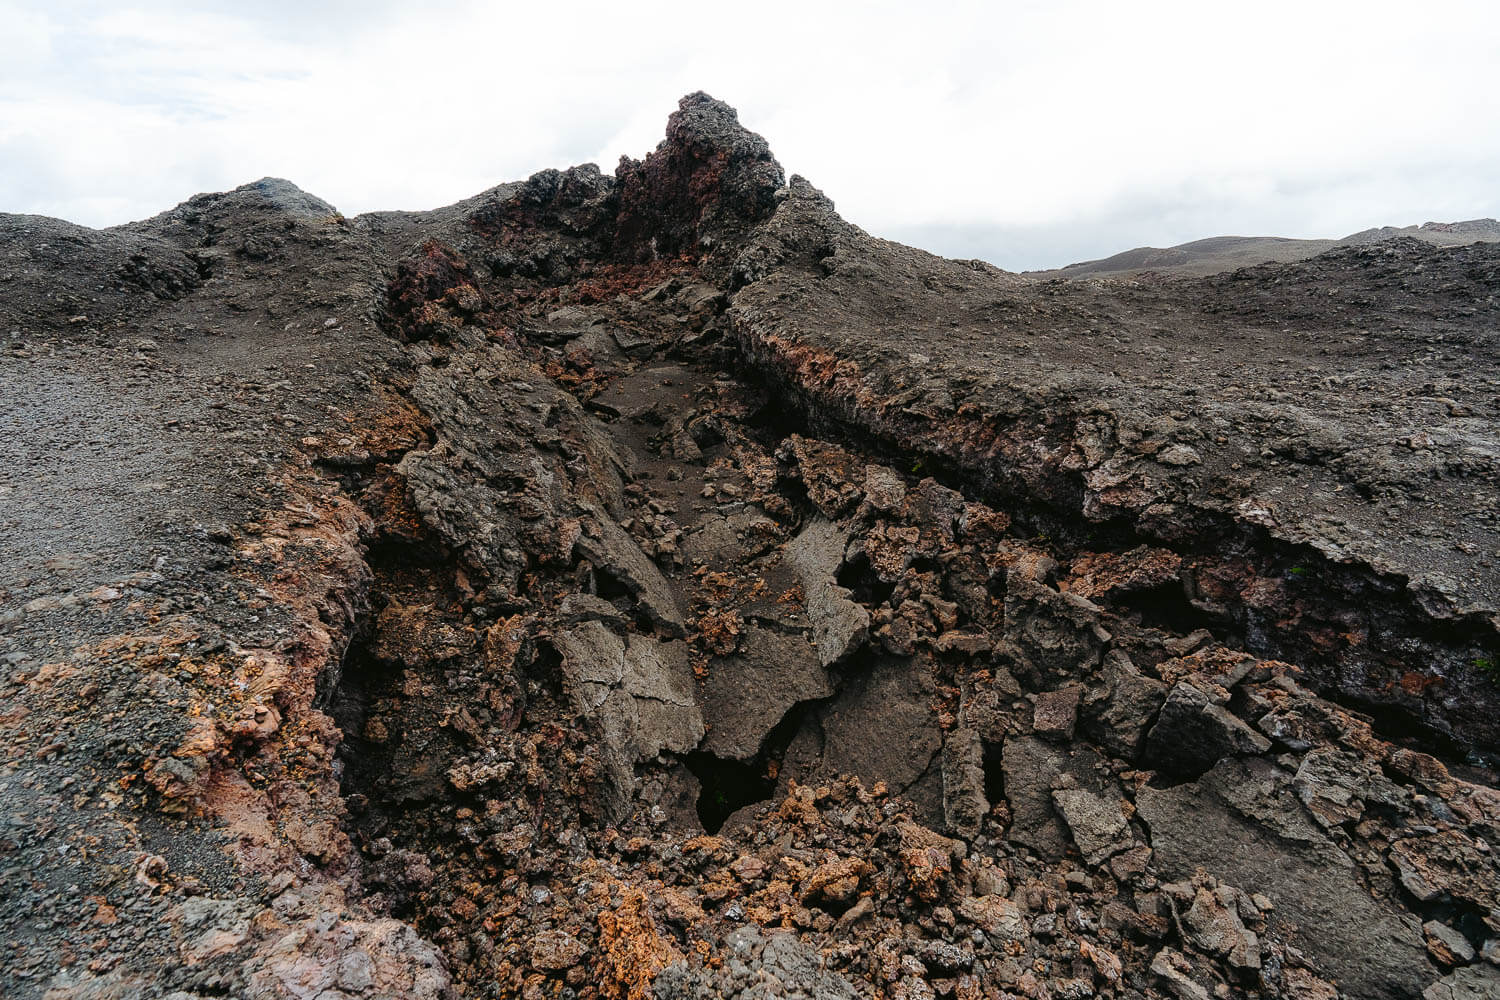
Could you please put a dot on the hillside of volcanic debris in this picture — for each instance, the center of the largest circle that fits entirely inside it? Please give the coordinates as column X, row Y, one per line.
column 651, row 585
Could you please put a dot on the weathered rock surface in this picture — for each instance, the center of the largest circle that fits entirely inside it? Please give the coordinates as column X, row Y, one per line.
column 1192, row 733
column 1240, row 822
column 1205, row 427
column 750, row 692
column 840, row 625
column 640, row 692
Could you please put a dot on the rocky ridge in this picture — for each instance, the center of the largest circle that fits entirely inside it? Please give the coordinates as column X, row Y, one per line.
column 652, row 585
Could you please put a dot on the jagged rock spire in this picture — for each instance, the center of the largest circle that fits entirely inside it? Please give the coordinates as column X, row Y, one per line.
column 709, row 178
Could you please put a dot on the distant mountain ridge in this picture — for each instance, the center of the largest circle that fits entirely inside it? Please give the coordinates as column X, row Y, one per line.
column 1216, row 254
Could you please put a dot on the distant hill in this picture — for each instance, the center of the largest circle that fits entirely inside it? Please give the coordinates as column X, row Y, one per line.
column 1226, row 253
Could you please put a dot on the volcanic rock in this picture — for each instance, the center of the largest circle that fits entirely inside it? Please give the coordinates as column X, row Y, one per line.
column 650, row 584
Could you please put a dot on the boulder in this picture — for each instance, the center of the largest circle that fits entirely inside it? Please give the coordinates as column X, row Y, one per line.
column 1192, row 733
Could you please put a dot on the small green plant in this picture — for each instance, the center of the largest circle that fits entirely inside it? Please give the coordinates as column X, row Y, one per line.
column 916, row 468
column 1297, row 571
column 1486, row 665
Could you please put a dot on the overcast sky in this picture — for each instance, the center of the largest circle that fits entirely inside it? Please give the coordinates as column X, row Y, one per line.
column 1028, row 134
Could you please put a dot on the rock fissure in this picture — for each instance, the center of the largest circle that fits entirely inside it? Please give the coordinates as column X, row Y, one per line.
column 1342, row 606
column 666, row 589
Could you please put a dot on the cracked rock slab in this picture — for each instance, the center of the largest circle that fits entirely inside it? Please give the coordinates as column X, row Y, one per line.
column 611, row 548
column 840, row 625
column 1192, row 733
column 749, row 692
column 1374, row 948
column 879, row 727
column 638, row 689
column 1474, row 982
column 1097, row 822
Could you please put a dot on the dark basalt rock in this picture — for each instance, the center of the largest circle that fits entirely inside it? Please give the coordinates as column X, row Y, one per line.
column 1192, row 734
column 708, row 183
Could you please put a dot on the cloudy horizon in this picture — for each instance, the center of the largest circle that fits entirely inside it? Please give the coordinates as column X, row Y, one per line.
column 1028, row 134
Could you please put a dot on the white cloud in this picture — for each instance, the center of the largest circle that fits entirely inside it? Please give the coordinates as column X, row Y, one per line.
column 1028, row 133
